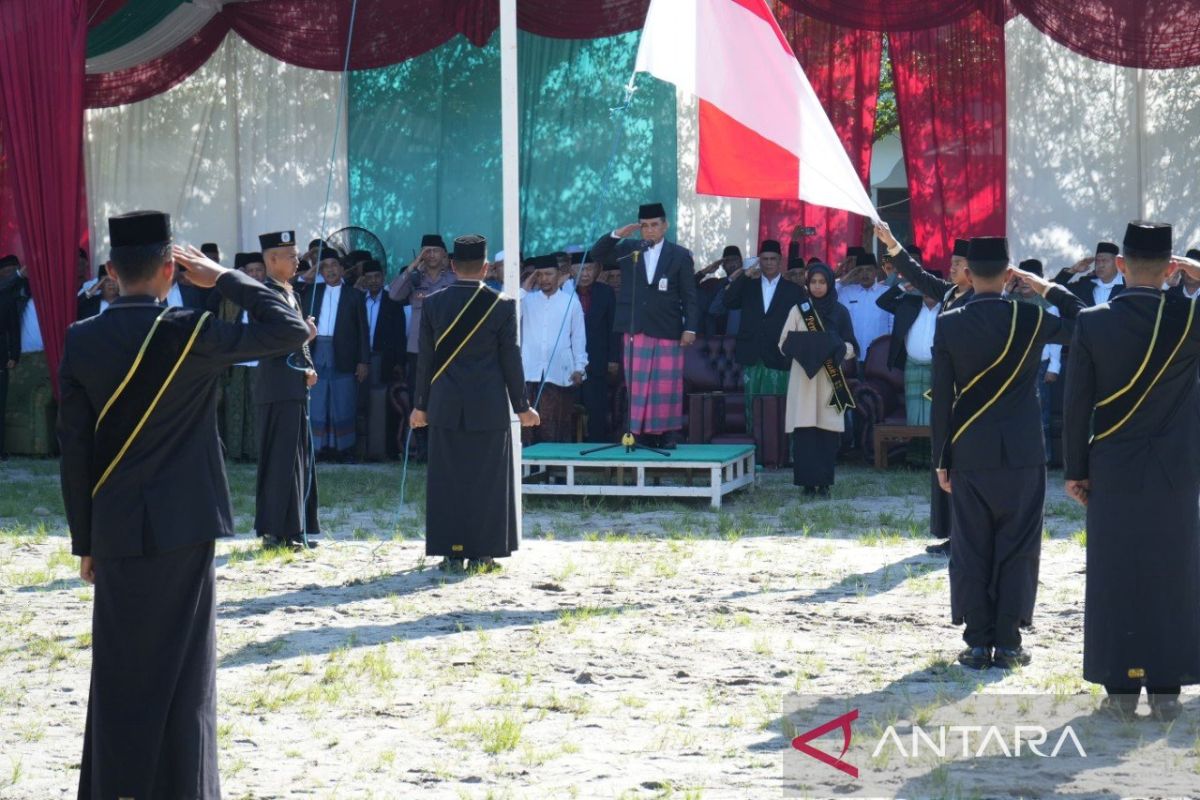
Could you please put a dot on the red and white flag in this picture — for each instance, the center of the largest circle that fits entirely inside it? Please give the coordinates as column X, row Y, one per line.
column 763, row 132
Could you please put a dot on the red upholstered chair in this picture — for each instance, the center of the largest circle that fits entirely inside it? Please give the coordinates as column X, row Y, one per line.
column 879, row 395
column 709, row 366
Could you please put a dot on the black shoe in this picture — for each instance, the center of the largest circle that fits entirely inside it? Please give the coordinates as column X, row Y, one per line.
column 976, row 657
column 939, row 549
column 1119, row 706
column 1165, row 707
column 1011, row 658
column 822, row 492
column 298, row 544
column 453, row 565
column 272, row 543
column 669, row 440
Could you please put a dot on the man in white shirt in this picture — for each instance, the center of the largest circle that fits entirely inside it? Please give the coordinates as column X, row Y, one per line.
column 342, row 356
column 1103, row 285
column 554, row 363
column 858, row 291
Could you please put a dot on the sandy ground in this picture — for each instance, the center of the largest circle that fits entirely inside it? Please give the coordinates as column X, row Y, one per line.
column 628, row 650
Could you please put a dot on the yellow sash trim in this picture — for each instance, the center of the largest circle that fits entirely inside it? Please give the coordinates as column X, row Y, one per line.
column 1183, row 338
column 129, row 375
column 467, row 338
column 1162, row 303
column 1011, row 335
column 458, row 316
column 162, row 390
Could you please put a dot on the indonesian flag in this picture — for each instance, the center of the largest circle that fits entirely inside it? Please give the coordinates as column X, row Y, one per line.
column 763, row 132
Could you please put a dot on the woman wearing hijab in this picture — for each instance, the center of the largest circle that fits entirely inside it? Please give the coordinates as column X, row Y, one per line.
column 818, row 336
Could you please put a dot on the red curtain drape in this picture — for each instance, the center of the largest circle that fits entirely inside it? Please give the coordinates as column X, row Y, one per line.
column 41, row 56
column 313, row 33
column 1151, row 34
column 951, row 104
column 843, row 67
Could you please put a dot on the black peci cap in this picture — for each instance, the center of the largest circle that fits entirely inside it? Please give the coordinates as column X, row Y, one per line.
column 371, row 265
column 1032, row 265
column 1148, row 239
column 471, row 247
column 139, row 228
column 651, row 211
column 1107, row 247
column 267, row 241
column 433, row 240
column 961, row 246
column 988, row 250
column 770, row 246
column 731, row 250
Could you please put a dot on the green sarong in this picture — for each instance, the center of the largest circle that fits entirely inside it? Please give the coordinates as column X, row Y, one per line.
column 918, row 379
column 759, row 380
column 241, row 439
column 29, row 416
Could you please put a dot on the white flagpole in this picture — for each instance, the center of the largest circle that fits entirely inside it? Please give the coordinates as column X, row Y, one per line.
column 510, row 150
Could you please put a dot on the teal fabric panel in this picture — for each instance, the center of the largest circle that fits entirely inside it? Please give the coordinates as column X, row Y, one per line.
column 424, row 144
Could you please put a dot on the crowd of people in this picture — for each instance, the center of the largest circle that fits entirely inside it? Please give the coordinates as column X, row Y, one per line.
column 146, row 494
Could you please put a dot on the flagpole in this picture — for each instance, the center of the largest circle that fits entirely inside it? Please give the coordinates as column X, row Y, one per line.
column 511, row 183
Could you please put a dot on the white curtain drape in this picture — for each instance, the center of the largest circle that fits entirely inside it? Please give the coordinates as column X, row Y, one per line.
column 242, row 147
column 1092, row 146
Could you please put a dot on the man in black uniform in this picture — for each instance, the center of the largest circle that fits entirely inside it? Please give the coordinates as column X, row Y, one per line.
column 469, row 380
column 987, row 442
column 950, row 294
column 286, row 501
column 146, row 494
column 1131, row 441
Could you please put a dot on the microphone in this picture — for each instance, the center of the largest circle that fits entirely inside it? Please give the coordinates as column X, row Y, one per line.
column 639, row 246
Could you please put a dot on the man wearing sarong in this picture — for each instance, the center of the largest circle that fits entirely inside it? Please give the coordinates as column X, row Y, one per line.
column 1131, row 443
column 146, row 495
column 765, row 301
column 656, row 310
column 468, row 382
column 341, row 355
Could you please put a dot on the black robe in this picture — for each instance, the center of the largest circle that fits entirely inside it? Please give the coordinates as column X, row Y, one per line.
column 470, row 500
column 286, row 480
column 1142, row 606
column 150, row 526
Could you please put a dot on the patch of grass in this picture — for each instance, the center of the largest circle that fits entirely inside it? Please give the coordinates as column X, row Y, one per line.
column 1080, row 538
column 499, row 734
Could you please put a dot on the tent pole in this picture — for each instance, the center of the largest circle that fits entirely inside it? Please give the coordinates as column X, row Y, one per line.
column 510, row 149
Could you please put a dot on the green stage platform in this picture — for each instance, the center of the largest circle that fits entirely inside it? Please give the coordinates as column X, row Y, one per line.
column 693, row 470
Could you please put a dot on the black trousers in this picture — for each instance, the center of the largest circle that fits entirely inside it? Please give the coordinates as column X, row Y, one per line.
column 152, row 712
column 593, row 394
column 995, row 551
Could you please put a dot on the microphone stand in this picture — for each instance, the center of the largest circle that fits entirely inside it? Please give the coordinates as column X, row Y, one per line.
column 628, row 440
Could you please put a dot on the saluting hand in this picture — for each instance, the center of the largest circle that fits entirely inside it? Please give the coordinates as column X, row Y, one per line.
column 201, row 271
column 626, row 231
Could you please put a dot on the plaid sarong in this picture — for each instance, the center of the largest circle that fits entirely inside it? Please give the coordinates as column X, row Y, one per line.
column 918, row 379
column 760, row 380
column 654, row 374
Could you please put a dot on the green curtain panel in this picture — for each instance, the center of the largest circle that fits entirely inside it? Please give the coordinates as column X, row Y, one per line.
column 424, row 144
column 132, row 21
